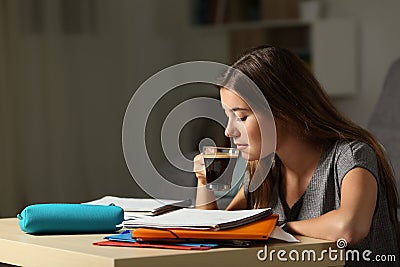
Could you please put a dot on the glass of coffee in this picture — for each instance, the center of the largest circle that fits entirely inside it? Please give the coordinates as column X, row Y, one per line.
column 220, row 163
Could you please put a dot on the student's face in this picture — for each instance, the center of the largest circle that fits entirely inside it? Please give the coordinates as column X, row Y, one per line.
column 242, row 125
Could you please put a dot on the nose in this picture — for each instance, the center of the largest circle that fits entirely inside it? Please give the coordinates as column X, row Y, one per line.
column 231, row 130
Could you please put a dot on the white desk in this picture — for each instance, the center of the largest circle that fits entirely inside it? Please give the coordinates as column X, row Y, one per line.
column 21, row 249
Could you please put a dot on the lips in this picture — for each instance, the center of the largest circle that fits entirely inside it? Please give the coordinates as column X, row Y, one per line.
column 241, row 146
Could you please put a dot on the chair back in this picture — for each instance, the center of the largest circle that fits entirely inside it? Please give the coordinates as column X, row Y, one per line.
column 385, row 119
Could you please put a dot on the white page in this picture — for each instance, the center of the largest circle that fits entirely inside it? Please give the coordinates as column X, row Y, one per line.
column 192, row 218
column 132, row 204
column 280, row 234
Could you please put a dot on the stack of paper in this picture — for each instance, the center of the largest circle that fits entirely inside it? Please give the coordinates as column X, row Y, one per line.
column 137, row 207
column 200, row 219
column 134, row 204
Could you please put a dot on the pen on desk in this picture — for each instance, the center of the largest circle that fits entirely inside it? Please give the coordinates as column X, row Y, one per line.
column 170, row 207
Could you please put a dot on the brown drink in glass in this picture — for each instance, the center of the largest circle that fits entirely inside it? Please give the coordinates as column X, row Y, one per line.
column 220, row 163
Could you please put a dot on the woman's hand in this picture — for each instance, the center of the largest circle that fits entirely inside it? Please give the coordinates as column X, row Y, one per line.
column 200, row 169
column 205, row 198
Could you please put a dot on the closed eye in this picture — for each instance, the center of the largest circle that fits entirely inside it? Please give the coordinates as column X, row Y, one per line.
column 242, row 118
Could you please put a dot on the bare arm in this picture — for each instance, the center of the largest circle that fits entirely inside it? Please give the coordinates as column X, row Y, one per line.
column 205, row 198
column 239, row 202
column 352, row 220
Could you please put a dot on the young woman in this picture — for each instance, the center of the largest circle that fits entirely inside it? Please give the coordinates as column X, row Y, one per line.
column 329, row 177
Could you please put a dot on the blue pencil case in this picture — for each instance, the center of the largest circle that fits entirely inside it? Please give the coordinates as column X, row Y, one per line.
column 68, row 218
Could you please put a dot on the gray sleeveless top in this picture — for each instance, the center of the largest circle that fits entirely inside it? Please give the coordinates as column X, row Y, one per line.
column 323, row 195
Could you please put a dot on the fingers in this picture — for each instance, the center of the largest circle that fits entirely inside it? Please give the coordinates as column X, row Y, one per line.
column 199, row 168
column 198, row 163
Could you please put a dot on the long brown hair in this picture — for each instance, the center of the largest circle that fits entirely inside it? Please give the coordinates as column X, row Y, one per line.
column 296, row 97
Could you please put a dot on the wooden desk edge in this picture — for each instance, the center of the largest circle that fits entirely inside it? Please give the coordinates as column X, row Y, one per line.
column 27, row 250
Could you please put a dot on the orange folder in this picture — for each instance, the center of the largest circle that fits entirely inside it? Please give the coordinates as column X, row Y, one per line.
column 259, row 230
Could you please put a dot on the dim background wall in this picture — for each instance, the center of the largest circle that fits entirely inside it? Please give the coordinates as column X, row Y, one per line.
column 63, row 91
column 379, row 46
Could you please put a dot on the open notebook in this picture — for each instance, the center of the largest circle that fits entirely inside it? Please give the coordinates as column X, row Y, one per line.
column 200, row 219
